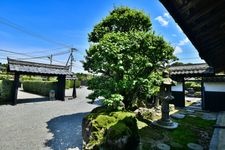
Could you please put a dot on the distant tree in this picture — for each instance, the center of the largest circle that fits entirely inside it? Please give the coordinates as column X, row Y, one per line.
column 125, row 55
column 177, row 64
column 3, row 67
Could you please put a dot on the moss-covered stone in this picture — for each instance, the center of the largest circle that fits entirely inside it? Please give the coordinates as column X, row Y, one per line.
column 101, row 128
column 123, row 135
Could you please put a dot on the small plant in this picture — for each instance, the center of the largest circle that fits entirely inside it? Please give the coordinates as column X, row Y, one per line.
column 114, row 101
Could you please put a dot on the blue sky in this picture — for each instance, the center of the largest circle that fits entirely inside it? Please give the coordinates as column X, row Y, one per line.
column 44, row 27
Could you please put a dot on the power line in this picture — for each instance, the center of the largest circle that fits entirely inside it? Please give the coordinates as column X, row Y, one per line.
column 34, row 52
column 61, row 62
column 47, row 56
column 22, row 29
column 12, row 52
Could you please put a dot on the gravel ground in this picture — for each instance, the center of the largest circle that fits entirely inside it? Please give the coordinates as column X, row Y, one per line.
column 42, row 124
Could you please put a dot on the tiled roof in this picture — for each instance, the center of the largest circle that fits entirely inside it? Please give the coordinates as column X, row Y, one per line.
column 193, row 69
column 26, row 67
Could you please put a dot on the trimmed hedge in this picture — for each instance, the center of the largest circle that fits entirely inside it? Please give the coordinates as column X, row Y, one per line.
column 5, row 90
column 69, row 84
column 5, row 76
column 39, row 87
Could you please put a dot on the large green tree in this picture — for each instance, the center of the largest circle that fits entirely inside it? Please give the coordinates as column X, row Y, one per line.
column 125, row 54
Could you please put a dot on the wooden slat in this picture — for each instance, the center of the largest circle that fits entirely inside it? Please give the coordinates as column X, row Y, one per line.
column 205, row 10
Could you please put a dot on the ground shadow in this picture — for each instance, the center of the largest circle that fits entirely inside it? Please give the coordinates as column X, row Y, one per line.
column 67, row 131
column 32, row 100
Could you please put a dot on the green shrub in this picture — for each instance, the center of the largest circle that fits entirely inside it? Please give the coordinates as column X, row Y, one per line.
column 197, row 94
column 5, row 90
column 33, row 78
column 69, row 84
column 5, row 76
column 195, row 85
column 96, row 126
column 39, row 87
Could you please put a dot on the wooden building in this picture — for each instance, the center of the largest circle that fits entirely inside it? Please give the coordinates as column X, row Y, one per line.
column 213, row 95
column 31, row 68
column 212, row 86
column 203, row 23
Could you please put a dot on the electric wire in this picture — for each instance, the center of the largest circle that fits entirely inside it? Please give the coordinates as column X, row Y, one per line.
column 22, row 29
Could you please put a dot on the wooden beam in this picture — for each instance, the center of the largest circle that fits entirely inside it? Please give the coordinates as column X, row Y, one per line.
column 169, row 4
column 74, row 89
column 183, row 86
column 204, row 9
column 60, row 95
column 15, row 88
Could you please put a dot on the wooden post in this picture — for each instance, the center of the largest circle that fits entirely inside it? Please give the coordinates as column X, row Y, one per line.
column 183, row 85
column 15, row 88
column 60, row 95
column 74, row 89
column 202, row 94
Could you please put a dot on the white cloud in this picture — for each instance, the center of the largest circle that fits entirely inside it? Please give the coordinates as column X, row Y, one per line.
column 174, row 35
column 183, row 42
column 166, row 15
column 162, row 21
column 179, row 29
column 177, row 50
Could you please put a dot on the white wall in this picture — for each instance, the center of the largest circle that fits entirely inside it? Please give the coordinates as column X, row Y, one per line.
column 178, row 87
column 215, row 86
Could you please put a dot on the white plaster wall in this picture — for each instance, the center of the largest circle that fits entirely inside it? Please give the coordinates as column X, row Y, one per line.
column 215, row 86
column 178, row 87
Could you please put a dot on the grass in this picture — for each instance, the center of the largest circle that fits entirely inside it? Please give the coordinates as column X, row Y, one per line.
column 190, row 129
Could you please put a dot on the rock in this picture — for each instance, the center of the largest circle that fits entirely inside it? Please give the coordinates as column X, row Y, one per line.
column 146, row 114
column 117, row 129
column 171, row 107
column 123, row 135
column 76, row 148
column 177, row 116
column 194, row 146
column 162, row 146
column 190, row 111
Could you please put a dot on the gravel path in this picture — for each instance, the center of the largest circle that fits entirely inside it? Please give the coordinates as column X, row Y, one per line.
column 43, row 125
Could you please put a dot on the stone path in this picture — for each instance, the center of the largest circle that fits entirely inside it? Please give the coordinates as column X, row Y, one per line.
column 43, row 124
column 218, row 139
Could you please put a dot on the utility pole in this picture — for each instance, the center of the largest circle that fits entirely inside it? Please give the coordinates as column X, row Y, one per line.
column 71, row 58
column 50, row 57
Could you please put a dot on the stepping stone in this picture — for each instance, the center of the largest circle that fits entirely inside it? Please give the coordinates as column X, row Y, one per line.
column 162, row 146
column 208, row 117
column 177, row 116
column 190, row 111
column 194, row 146
column 76, row 148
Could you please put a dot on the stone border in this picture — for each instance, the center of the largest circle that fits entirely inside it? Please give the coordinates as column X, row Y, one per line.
column 215, row 141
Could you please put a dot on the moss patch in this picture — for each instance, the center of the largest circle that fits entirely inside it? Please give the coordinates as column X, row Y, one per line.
column 100, row 120
column 190, row 129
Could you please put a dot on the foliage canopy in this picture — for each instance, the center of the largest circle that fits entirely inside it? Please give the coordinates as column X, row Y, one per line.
column 125, row 53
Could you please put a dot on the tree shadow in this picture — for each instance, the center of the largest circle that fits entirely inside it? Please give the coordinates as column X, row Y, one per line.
column 66, row 130
column 32, row 100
